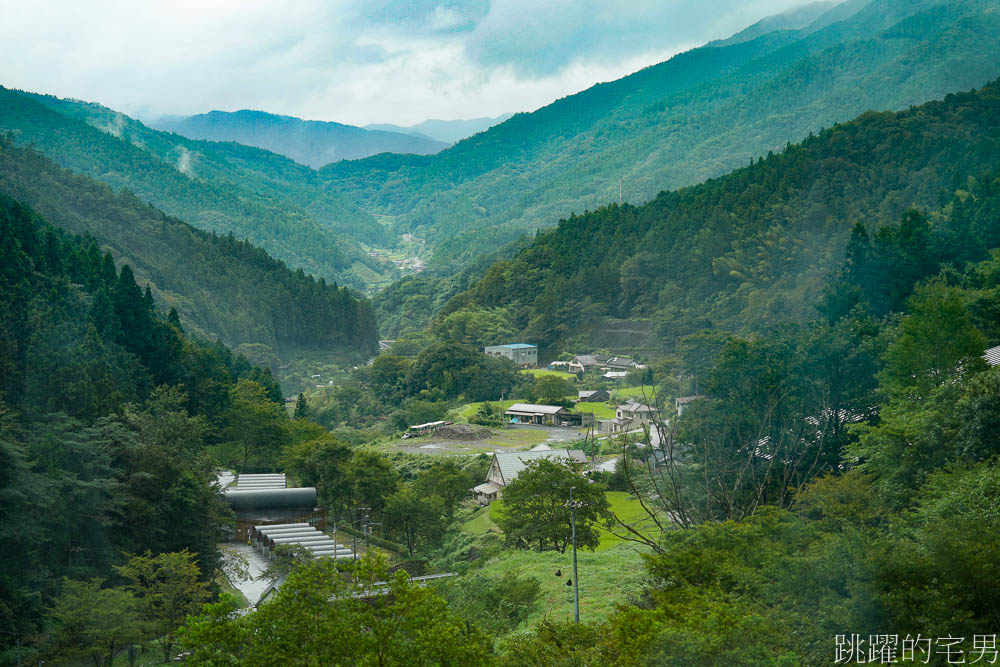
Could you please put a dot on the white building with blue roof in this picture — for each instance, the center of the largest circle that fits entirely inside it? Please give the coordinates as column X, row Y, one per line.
column 524, row 355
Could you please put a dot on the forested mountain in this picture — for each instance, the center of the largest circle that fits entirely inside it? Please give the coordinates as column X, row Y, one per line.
column 219, row 285
column 795, row 18
column 219, row 187
column 696, row 116
column 309, row 142
column 448, row 131
column 106, row 410
column 749, row 250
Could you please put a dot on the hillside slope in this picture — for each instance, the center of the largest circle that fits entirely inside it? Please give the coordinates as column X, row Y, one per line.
column 749, row 250
column 696, row 116
column 309, row 142
column 219, row 187
column 219, row 286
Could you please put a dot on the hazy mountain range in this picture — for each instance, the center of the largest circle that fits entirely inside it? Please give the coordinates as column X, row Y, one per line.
column 448, row 131
column 309, row 142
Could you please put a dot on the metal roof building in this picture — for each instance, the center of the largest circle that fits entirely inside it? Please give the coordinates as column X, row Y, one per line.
column 529, row 413
column 256, row 506
column 522, row 354
column 505, row 467
column 262, row 481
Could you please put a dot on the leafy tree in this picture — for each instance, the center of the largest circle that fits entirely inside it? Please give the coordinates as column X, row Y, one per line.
column 322, row 462
column 373, row 479
column 488, row 414
column 320, row 617
column 553, row 390
column 169, row 588
column 95, row 623
column 933, row 340
column 256, row 424
column 447, row 481
column 535, row 510
column 498, row 604
column 419, row 518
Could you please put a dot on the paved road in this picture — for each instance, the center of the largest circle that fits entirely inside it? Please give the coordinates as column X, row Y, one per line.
column 255, row 586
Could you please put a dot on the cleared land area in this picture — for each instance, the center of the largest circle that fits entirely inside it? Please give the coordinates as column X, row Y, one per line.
column 608, row 576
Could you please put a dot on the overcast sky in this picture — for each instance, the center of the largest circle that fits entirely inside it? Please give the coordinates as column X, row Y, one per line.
column 351, row 61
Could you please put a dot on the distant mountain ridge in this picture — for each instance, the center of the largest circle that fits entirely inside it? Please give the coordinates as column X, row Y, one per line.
column 694, row 117
column 274, row 202
column 448, row 131
column 309, row 142
column 796, row 18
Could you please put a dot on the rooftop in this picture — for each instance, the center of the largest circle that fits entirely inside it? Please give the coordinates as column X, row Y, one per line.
column 515, row 346
column 535, row 409
column 512, row 463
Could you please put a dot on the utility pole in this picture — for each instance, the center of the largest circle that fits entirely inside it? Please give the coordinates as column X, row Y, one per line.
column 619, row 192
column 364, row 526
column 573, row 506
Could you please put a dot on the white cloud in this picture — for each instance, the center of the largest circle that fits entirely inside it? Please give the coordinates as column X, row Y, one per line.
column 355, row 61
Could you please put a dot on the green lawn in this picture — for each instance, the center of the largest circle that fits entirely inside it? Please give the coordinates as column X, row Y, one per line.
column 608, row 575
column 636, row 392
column 606, row 578
column 539, row 372
column 599, row 410
column 481, row 523
column 624, row 506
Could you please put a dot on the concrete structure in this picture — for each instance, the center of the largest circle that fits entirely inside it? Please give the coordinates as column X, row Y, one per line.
column 505, row 467
column 522, row 354
column 639, row 413
column 616, row 425
column 683, row 402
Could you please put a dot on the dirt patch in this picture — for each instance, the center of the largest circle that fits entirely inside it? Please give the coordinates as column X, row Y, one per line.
column 463, row 432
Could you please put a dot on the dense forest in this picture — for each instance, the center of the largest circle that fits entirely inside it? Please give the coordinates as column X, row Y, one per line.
column 696, row 116
column 747, row 251
column 106, row 412
column 218, row 187
column 219, row 285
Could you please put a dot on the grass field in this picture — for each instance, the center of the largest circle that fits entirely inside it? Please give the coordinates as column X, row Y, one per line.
column 624, row 506
column 636, row 392
column 599, row 410
column 481, row 523
column 540, row 372
column 609, row 575
column 606, row 578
